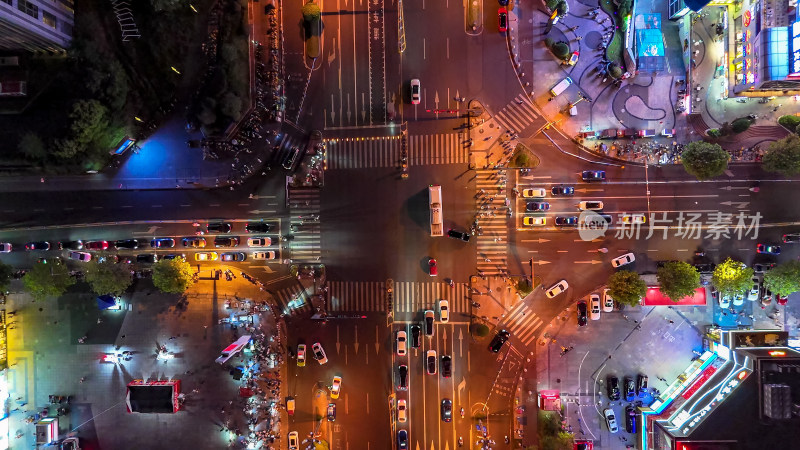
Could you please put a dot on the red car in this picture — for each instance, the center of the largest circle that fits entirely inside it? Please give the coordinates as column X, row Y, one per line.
column 433, row 270
column 780, row 299
column 96, row 245
column 502, row 20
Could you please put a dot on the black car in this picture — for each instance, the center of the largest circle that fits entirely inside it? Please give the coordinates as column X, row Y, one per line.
column 791, row 238
column 593, row 175
column 402, row 439
column 458, row 235
column 258, row 227
column 415, row 336
column 223, row 241
column 612, row 385
column 641, row 383
column 147, row 258
column 233, row 256
column 431, row 362
column 219, row 227
column 763, row 267
column 582, row 321
column 630, row 389
column 630, row 419
column 429, row 323
column 499, row 339
column 73, row 245
column 173, row 256
column 162, row 243
column 41, row 245
column 705, row 267
column 132, row 244
column 331, row 412
column 562, row 190
column 566, row 221
column 447, row 410
column 403, row 385
column 447, row 366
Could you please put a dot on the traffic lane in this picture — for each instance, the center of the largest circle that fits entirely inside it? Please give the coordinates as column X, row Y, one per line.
column 447, row 386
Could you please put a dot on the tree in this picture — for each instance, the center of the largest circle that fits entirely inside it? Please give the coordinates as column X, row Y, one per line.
column 480, row 330
column 562, row 8
column 732, row 277
column 740, row 125
column 32, row 146
column 172, row 276
column 311, row 12
column 47, row 280
column 784, row 279
column 108, row 277
column 552, row 4
column 6, row 273
column 627, row 287
column 783, row 156
column 548, row 42
column 615, row 71
column 231, row 105
column 790, row 122
column 678, row 279
column 560, row 50
column 704, row 160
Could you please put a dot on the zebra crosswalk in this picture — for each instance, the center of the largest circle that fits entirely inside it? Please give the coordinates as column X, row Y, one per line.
column 294, row 299
column 304, row 207
column 522, row 323
column 517, row 115
column 409, row 296
column 384, row 151
column 492, row 205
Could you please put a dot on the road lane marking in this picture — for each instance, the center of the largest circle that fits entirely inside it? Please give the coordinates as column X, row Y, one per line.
column 185, row 206
column 157, row 206
column 214, row 204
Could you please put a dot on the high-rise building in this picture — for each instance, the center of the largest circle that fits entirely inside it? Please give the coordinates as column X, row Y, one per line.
column 36, row 25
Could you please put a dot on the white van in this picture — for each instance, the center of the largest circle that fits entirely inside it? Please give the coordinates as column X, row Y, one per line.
column 561, row 86
column 231, row 350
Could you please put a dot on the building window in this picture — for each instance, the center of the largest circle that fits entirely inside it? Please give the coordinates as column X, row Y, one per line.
column 28, row 8
column 7, row 1
column 49, row 19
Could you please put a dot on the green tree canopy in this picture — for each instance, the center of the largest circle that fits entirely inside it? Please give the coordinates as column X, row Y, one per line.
column 108, row 277
column 615, row 70
column 32, row 147
column 627, row 287
column 172, row 276
column 311, row 11
column 790, row 122
column 678, row 279
column 560, row 50
column 480, row 330
column 740, row 125
column 6, row 273
column 783, row 156
column 562, row 8
column 47, row 280
column 732, row 277
column 784, row 279
column 704, row 160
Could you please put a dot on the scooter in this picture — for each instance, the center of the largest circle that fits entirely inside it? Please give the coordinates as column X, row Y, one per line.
column 462, row 413
column 460, row 441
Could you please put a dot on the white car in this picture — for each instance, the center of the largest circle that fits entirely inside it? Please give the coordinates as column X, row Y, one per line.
column 608, row 302
column 625, row 259
column 725, row 301
column 534, row 193
column 402, row 340
column 336, row 387
column 415, row 91
column 294, row 440
column 5, row 247
column 319, row 353
column 557, row 288
column 80, row 256
column 264, row 255
column 590, row 205
column 754, row 291
column 594, row 306
column 634, row 219
column 611, row 421
column 402, row 411
column 738, row 300
column 534, row 221
column 444, row 311
column 259, row 242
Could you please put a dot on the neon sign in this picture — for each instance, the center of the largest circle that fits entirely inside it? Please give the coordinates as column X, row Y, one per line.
column 747, row 18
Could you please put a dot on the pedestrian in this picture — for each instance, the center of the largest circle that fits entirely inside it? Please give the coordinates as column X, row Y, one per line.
column 671, row 321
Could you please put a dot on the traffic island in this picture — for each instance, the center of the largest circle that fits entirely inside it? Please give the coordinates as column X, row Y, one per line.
column 473, row 17
column 313, row 29
column 523, row 158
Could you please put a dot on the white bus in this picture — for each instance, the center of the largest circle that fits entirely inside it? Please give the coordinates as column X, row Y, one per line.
column 231, row 350
column 435, row 201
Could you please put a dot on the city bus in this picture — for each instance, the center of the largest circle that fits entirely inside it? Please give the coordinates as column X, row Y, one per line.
column 435, row 201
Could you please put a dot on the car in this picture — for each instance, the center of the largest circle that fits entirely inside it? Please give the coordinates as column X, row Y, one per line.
column 630, row 389
column 738, row 299
column 562, row 190
column 597, row 220
column 593, row 175
column 582, row 314
column 768, row 249
column 147, row 258
column 402, row 338
column 5, row 247
column 263, row 255
column 447, row 366
column 259, row 242
column 415, row 91
column 573, row 58
column 206, row 256
column 534, row 193
column 257, row 227
column 162, row 243
column 331, row 412
column 534, row 221
column 590, row 205
column 336, row 387
column 72, row 245
column 458, row 235
column 194, row 242
column 447, row 410
column 566, row 221
column 704, row 267
column 781, row 300
column 402, row 440
column 611, row 421
column 612, row 386
column 429, row 319
column 557, row 289
column 96, row 245
column 608, row 302
column 226, row 241
column 725, row 301
column 290, row 158
column 636, row 219
column 403, row 371
column 594, row 306
column 290, row 405
column 537, row 206
column 623, row 260
column 219, row 227
column 641, row 383
column 131, row 244
column 416, row 331
column 755, row 290
column 444, row 311
column 319, row 353
column 234, row 256
column 430, row 362
column 763, row 267
column 583, row 444
column 630, row 419
column 70, row 443
column 791, row 238
column 301, row 355
column 80, row 256
column 402, row 411
column 498, row 340
column 173, row 256
column 433, row 270
column 294, row 440
column 502, row 20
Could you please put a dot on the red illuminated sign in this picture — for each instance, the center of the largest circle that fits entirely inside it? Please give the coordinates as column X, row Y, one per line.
column 747, row 17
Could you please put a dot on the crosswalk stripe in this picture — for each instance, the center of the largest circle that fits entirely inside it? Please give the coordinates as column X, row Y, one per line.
column 516, row 125
column 410, row 296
